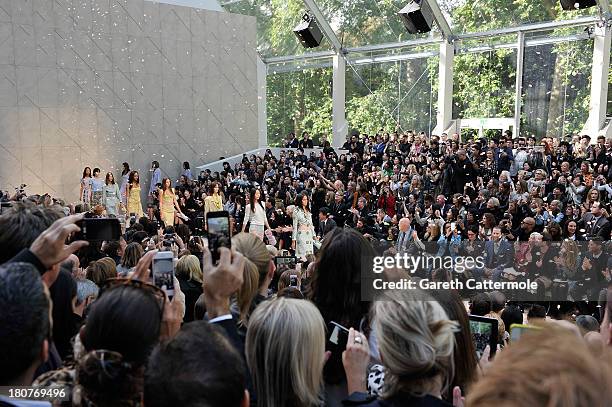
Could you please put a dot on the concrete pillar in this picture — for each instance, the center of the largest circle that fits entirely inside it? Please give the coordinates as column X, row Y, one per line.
column 262, row 114
column 445, row 88
column 339, row 123
column 518, row 91
column 599, row 82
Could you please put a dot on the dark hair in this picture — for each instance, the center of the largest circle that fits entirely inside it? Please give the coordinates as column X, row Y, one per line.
column 107, row 176
column 85, row 172
column 126, row 320
column 481, row 304
column 252, row 199
column 298, row 201
column 21, row 225
column 131, row 179
column 198, row 367
column 126, row 169
column 339, row 264
column 213, row 185
column 96, row 170
column 498, row 300
column 464, row 355
column 155, row 164
column 537, row 311
column 62, row 291
column 291, row 292
column 112, row 248
column 24, row 319
column 186, row 165
column 511, row 315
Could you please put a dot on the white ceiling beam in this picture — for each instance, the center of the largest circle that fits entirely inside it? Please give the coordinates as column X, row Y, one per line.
column 324, row 25
column 438, row 16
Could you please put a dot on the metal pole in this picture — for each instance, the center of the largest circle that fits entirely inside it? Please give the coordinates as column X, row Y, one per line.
column 518, row 92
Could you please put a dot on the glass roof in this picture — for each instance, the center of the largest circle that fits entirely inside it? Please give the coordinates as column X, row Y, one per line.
column 369, row 22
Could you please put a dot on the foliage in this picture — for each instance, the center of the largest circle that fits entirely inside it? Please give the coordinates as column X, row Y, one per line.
column 555, row 83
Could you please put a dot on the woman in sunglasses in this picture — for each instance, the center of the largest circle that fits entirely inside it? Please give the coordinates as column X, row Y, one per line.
column 124, row 324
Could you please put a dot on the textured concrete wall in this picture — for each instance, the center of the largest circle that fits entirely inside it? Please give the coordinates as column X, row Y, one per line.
column 99, row 82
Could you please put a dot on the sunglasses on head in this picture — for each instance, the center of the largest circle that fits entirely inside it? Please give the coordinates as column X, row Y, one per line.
column 113, row 283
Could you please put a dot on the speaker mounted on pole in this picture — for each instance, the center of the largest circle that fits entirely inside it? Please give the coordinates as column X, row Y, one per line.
column 308, row 32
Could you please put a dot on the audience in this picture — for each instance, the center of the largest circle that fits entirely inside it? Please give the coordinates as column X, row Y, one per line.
column 86, row 314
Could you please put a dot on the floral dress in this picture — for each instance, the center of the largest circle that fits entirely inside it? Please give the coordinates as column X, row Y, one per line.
column 303, row 232
column 87, row 187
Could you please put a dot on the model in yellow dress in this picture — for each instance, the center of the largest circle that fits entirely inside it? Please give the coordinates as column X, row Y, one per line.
column 168, row 203
column 214, row 201
column 133, row 196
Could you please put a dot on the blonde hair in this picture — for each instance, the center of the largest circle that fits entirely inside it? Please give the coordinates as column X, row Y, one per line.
column 533, row 372
column 256, row 266
column 415, row 340
column 188, row 267
column 101, row 270
column 285, row 352
column 570, row 256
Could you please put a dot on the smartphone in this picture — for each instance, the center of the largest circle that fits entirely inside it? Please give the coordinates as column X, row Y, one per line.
column 484, row 332
column 218, row 226
column 453, row 225
column 293, row 280
column 163, row 272
column 98, row 230
column 338, row 336
column 518, row 330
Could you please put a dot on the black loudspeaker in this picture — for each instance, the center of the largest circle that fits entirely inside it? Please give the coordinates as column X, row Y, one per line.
column 576, row 4
column 308, row 32
column 417, row 17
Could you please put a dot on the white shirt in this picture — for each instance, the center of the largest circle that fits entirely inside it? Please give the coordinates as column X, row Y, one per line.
column 256, row 218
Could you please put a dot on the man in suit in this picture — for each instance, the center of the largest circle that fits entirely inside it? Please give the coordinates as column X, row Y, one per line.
column 498, row 255
column 595, row 224
column 326, row 224
column 593, row 266
column 292, row 141
column 444, row 207
column 339, row 209
column 407, row 240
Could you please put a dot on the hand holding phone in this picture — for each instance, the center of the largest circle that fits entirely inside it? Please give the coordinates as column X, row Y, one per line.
column 163, row 272
column 218, row 226
column 484, row 332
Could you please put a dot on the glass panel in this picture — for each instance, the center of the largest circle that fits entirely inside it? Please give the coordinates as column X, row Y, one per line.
column 484, row 84
column 390, row 94
column 298, row 101
column 275, row 22
column 483, row 15
column 556, row 88
column 363, row 22
column 609, row 107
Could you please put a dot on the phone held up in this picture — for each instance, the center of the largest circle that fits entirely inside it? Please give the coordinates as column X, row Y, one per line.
column 163, row 272
column 484, row 332
column 218, row 225
column 98, row 230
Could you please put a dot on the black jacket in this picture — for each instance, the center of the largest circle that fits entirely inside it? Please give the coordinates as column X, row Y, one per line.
column 399, row 400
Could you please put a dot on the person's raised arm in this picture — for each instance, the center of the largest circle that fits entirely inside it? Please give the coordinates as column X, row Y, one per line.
column 50, row 246
column 222, row 281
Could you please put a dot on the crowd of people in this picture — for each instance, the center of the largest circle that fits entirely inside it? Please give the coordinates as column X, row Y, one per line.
column 241, row 331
